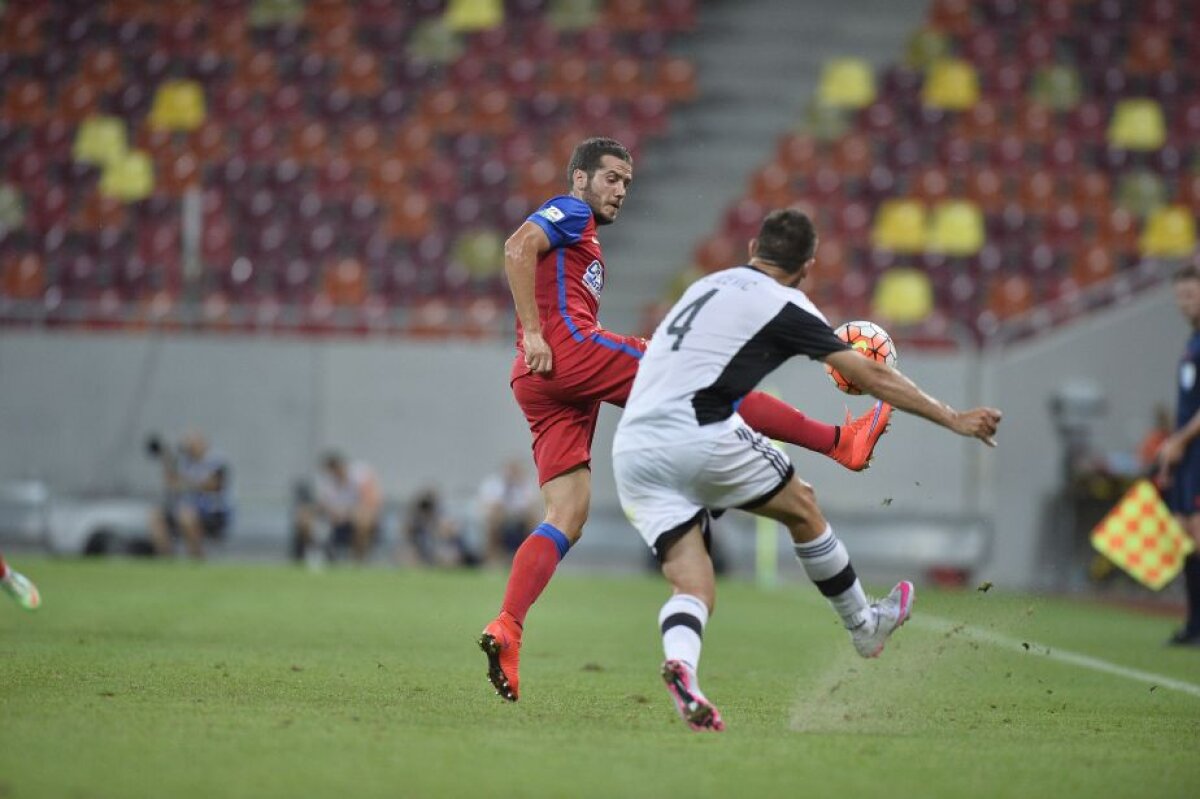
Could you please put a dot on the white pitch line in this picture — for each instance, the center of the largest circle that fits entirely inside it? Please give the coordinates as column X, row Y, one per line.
column 1061, row 655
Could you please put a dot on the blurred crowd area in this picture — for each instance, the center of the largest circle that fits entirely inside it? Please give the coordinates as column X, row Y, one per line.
column 355, row 166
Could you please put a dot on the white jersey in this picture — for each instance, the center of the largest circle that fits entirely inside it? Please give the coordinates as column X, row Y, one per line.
column 342, row 498
column 725, row 334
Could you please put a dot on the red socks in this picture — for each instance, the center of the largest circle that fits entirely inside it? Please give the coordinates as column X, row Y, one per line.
column 777, row 420
column 533, row 566
column 3, row 568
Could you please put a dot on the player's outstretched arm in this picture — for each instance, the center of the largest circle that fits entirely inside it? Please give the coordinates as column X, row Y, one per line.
column 890, row 385
column 521, row 253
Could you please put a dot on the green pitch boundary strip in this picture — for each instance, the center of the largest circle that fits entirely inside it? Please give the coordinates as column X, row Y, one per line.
column 1060, row 655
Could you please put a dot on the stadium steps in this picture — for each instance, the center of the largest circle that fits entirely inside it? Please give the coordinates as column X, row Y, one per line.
column 758, row 62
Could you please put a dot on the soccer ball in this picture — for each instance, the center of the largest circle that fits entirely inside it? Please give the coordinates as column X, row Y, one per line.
column 868, row 338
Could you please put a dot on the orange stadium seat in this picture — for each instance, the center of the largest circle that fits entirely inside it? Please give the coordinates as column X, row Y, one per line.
column 1092, row 263
column 24, row 277
column 952, row 16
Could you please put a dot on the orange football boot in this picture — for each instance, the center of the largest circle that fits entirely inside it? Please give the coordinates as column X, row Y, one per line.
column 501, row 642
column 856, row 442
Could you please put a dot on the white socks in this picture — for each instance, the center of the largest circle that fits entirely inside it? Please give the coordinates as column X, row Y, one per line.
column 682, row 621
column 827, row 564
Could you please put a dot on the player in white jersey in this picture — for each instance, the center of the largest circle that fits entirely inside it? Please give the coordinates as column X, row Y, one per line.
column 681, row 449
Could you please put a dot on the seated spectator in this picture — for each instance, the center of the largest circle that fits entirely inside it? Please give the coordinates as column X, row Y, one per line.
column 433, row 538
column 347, row 503
column 198, row 503
column 510, row 506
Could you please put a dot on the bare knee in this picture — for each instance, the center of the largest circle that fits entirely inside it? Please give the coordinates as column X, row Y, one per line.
column 568, row 517
column 796, row 507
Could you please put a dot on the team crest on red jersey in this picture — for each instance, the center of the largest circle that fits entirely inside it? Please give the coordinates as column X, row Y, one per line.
column 593, row 277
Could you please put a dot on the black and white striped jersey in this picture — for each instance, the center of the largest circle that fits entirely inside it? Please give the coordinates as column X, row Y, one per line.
column 727, row 332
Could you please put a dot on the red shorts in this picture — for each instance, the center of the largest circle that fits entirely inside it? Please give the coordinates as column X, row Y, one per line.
column 562, row 407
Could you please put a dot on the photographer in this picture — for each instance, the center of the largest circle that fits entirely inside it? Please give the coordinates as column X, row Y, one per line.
column 197, row 504
column 348, row 503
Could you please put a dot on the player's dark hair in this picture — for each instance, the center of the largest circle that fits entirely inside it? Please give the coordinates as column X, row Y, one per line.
column 589, row 152
column 787, row 239
column 333, row 460
column 1186, row 272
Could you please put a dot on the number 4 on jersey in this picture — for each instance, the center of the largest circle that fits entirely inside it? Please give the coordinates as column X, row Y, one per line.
column 682, row 322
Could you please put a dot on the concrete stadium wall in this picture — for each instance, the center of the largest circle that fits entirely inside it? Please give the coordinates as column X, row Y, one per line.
column 74, row 410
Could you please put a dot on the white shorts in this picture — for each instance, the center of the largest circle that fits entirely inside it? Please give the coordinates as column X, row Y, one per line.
column 666, row 490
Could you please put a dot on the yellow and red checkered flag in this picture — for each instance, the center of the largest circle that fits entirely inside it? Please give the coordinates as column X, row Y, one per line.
column 1142, row 537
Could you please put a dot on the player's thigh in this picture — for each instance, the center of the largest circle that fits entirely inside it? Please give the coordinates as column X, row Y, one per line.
column 562, row 432
column 742, row 469
column 652, row 485
column 601, row 368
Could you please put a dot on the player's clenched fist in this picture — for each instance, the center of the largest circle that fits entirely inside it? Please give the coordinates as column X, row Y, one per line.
column 537, row 354
column 980, row 423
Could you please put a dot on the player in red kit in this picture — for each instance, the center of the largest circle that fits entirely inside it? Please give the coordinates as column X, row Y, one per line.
column 566, row 365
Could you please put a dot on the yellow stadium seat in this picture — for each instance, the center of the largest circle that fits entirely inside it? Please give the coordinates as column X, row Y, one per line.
column 572, row 15
column 474, row 15
column 481, row 252
column 903, row 295
column 100, row 140
column 178, row 105
column 1137, row 124
column 12, row 208
column 128, row 179
column 846, row 83
column 950, row 83
column 899, row 226
column 1170, row 233
column 956, row 228
column 265, row 13
column 924, row 47
column 1141, row 192
column 1058, row 87
column 433, row 41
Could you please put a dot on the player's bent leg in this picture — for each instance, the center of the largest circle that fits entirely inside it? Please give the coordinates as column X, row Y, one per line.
column 826, row 561
column 857, row 437
column 567, row 497
column 687, row 566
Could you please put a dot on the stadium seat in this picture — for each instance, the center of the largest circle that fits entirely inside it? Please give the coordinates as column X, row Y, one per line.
column 925, row 46
column 1149, row 51
column 952, row 16
column 130, row 178
column 1137, row 124
column 900, row 226
column 1092, row 263
column 951, row 84
column 903, row 296
column 1141, row 192
column 481, row 253
column 1010, row 296
column 1057, row 86
column 956, row 228
column 23, row 276
column 1170, row 232
column 473, row 15
column 985, row 188
column 1037, row 191
column 432, row 41
column 178, row 105
column 1117, row 230
column 981, row 122
column 1034, row 123
column 846, row 83
column 100, row 140
column 360, row 74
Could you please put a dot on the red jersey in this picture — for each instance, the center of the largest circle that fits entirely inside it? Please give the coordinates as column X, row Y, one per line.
column 570, row 276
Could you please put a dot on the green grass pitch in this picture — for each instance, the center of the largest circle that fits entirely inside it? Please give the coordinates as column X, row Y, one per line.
column 176, row 680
